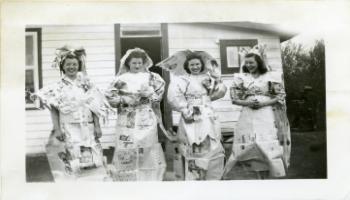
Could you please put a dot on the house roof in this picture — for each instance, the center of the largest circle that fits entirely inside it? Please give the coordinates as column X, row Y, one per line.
column 268, row 28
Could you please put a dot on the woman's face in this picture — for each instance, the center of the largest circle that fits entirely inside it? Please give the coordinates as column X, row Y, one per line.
column 251, row 64
column 135, row 65
column 195, row 66
column 71, row 67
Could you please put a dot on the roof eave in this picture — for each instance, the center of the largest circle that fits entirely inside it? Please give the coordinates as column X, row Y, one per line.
column 284, row 35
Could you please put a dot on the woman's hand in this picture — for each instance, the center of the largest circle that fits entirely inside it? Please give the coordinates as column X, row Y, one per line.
column 188, row 119
column 146, row 91
column 206, row 83
column 129, row 100
column 59, row 134
column 120, row 84
column 114, row 101
column 187, row 115
column 256, row 104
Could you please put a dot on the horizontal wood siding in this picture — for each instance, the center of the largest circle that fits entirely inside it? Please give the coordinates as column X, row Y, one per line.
column 206, row 37
column 98, row 42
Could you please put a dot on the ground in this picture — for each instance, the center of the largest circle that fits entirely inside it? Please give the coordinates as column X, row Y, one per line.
column 309, row 156
column 308, row 159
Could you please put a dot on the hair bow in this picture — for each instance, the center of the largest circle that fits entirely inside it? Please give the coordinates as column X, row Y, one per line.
column 63, row 52
column 258, row 50
column 175, row 63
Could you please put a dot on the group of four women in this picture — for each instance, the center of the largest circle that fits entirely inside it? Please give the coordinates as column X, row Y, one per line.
column 261, row 142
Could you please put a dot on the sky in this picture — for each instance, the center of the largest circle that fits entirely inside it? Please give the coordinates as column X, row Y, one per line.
column 306, row 37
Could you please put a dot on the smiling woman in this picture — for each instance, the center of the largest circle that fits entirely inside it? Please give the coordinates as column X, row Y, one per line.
column 70, row 67
column 136, row 93
column 199, row 131
column 254, row 64
column 261, row 143
column 76, row 106
column 194, row 64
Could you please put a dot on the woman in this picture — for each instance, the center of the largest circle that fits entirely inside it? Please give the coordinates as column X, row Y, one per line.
column 261, row 144
column 199, row 128
column 137, row 92
column 76, row 106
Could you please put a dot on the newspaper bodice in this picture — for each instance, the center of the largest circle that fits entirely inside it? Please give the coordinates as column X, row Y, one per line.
column 263, row 87
column 190, row 97
column 75, row 100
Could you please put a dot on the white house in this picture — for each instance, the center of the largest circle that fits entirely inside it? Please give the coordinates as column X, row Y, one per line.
column 105, row 44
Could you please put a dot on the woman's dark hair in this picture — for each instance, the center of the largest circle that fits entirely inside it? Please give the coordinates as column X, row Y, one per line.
column 191, row 57
column 71, row 56
column 261, row 64
column 135, row 54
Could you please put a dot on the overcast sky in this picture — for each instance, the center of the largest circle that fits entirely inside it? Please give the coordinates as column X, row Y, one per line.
column 306, row 37
column 307, row 41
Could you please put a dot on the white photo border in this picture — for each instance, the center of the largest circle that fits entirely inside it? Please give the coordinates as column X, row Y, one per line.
column 330, row 19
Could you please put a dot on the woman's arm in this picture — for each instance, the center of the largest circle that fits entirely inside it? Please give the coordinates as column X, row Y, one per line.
column 111, row 93
column 259, row 104
column 219, row 91
column 56, row 123
column 269, row 102
column 158, row 85
column 237, row 97
column 115, row 101
column 237, row 92
column 240, row 102
column 276, row 90
column 97, row 127
column 55, row 118
column 176, row 98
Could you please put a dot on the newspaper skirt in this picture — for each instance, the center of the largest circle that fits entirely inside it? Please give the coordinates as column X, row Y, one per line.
column 138, row 156
column 200, row 148
column 198, row 166
column 79, row 157
column 255, row 145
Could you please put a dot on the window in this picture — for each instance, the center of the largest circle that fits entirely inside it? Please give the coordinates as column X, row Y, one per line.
column 32, row 65
column 231, row 60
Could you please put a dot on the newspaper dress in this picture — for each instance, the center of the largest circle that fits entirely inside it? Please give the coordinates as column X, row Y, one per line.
column 199, row 140
column 138, row 155
column 76, row 101
column 262, row 136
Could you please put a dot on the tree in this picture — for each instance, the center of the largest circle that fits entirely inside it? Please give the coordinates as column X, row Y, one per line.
column 305, row 69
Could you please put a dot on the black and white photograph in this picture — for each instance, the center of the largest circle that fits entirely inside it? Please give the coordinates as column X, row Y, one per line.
column 174, row 102
column 117, row 101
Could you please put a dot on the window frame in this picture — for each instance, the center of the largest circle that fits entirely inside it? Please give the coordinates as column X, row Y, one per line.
column 37, row 65
column 224, row 43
